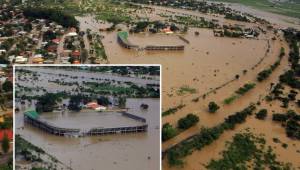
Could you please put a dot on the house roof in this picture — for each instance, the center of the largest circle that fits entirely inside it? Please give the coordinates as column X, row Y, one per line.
column 76, row 53
column 8, row 132
column 56, row 40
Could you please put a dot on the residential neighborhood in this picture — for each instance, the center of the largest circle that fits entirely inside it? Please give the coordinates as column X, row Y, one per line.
column 27, row 39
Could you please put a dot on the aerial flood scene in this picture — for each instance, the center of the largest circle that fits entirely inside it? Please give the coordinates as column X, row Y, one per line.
column 230, row 77
column 86, row 117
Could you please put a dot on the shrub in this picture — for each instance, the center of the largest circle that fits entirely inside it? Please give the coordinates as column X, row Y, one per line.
column 173, row 110
column 188, row 121
column 279, row 117
column 168, row 132
column 245, row 88
column 230, row 99
column 213, row 107
column 261, row 114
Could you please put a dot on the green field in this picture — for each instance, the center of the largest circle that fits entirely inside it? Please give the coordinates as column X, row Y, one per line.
column 289, row 8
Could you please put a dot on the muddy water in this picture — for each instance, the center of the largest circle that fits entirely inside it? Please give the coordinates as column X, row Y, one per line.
column 207, row 62
column 114, row 152
column 198, row 159
column 209, row 120
column 205, row 59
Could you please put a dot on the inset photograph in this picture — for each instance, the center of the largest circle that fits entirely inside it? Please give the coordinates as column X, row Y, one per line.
column 86, row 117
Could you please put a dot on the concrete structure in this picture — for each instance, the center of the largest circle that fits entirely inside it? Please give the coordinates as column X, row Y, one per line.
column 123, row 41
column 32, row 118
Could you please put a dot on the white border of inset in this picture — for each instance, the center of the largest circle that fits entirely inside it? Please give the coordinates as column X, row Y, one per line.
column 88, row 65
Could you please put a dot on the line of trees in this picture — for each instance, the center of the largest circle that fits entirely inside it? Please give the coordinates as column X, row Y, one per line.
column 290, row 120
column 188, row 121
column 267, row 72
column 205, row 137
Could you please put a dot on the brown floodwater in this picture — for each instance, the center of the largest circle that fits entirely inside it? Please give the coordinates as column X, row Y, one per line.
column 206, row 63
column 130, row 151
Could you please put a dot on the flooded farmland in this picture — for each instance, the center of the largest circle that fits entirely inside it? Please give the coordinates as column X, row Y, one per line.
column 115, row 151
column 212, row 68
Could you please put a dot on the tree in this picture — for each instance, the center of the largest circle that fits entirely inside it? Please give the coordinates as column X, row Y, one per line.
column 261, row 114
column 74, row 103
column 104, row 101
column 279, row 117
column 188, row 121
column 168, row 132
column 122, row 102
column 7, row 86
column 46, row 102
column 213, row 107
column 5, row 143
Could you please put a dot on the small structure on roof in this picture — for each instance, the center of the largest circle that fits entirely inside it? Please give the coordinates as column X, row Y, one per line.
column 71, row 34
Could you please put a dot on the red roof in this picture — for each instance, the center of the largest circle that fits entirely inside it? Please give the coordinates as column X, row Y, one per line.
column 8, row 132
column 56, row 40
column 76, row 53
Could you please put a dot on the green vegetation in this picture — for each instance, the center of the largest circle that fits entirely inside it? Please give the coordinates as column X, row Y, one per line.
column 261, row 114
column 188, row 121
column 185, row 89
column 213, row 107
column 168, row 132
column 131, row 90
column 267, row 72
column 290, row 77
column 290, row 120
column 8, row 165
column 193, row 22
column 264, row 74
column 247, row 151
column 289, row 8
column 122, row 103
column 25, row 148
column 58, row 16
column 46, row 102
column 74, row 103
column 7, row 86
column 110, row 11
column 247, row 87
column 205, row 137
column 173, row 110
column 7, row 124
column 230, row 99
column 236, row 17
